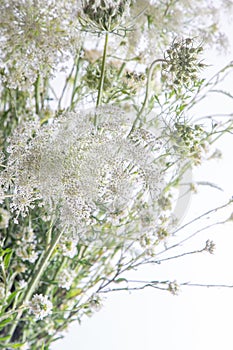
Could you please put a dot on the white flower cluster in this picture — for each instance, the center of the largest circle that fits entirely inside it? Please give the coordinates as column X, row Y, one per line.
column 35, row 36
column 4, row 218
column 26, row 251
column 40, row 306
column 65, row 278
column 68, row 246
column 89, row 174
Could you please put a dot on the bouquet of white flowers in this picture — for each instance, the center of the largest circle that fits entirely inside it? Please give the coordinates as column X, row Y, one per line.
column 97, row 140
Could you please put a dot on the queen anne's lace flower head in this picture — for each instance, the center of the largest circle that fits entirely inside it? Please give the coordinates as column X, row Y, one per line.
column 91, row 176
column 35, row 37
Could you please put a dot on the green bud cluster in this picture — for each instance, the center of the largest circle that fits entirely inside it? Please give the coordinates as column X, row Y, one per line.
column 181, row 62
column 105, row 15
column 191, row 140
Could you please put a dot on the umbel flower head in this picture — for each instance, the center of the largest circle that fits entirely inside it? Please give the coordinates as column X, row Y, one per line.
column 181, row 62
column 104, row 15
column 35, row 36
column 89, row 175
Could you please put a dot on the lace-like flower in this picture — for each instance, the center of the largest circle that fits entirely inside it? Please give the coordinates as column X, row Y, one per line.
column 35, row 37
column 89, row 176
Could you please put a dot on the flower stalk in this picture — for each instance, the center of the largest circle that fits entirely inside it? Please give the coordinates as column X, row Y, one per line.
column 101, row 83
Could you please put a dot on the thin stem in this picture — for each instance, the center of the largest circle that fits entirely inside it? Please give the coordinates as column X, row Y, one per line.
column 149, row 77
column 65, row 87
column 37, row 96
column 101, row 83
column 75, row 80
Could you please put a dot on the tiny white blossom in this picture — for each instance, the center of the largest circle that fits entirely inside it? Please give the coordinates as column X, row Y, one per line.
column 4, row 218
column 68, row 247
column 65, row 278
column 26, row 251
column 3, row 293
column 40, row 306
column 22, row 284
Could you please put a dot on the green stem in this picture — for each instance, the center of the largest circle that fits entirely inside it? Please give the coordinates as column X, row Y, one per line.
column 65, row 87
column 33, row 283
column 144, row 104
column 37, row 95
column 75, row 80
column 101, row 83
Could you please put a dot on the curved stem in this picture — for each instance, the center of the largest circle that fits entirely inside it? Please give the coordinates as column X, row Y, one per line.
column 101, row 83
column 149, row 77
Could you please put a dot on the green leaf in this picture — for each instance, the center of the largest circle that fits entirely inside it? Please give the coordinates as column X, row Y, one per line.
column 4, row 251
column 5, row 338
column 12, row 296
column 74, row 292
column 5, row 322
column 120, row 280
column 6, row 259
column 12, row 345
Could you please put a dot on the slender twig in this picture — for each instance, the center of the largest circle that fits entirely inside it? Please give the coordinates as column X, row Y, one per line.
column 188, row 284
column 202, row 216
column 191, row 236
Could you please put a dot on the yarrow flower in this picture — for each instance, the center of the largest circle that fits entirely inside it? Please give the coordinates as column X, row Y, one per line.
column 35, row 37
column 40, row 306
